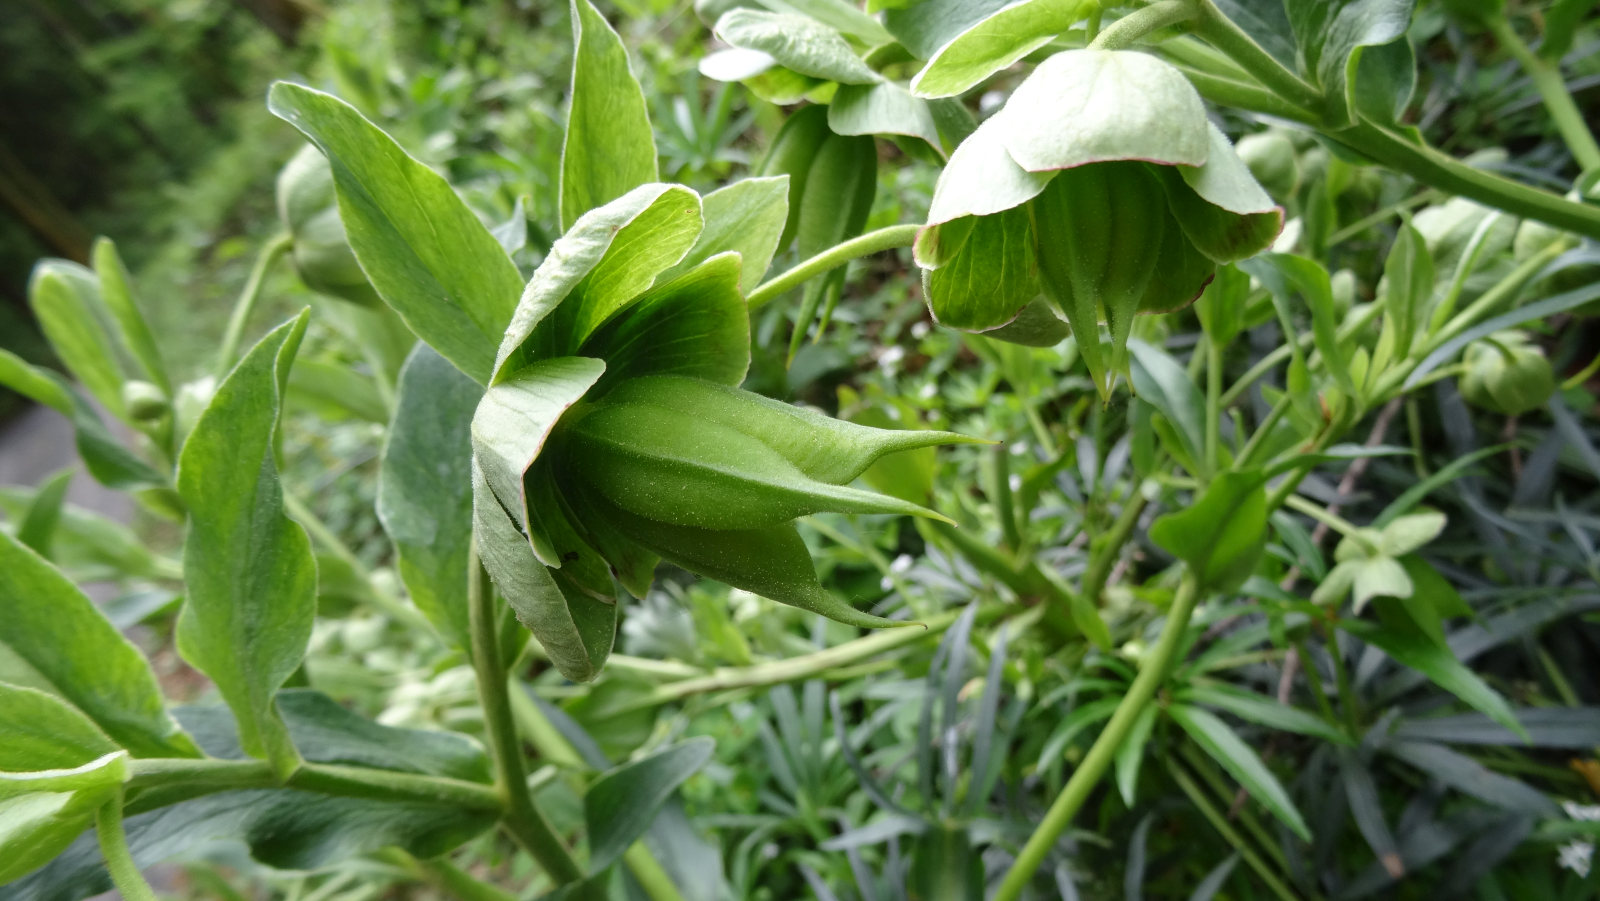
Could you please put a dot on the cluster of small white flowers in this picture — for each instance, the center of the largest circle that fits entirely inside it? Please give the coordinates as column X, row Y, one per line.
column 900, row 565
column 889, row 359
column 1578, row 855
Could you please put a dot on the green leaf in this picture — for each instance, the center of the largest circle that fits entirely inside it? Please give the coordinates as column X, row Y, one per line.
column 604, row 262
column 1226, row 748
column 1091, row 106
column 427, row 463
column 841, row 15
column 1221, row 535
column 40, row 731
column 1566, row 728
column 1385, row 79
column 746, row 217
column 1035, row 326
column 772, row 562
column 1131, row 753
column 322, row 385
column 991, row 279
column 1330, row 32
column 251, row 579
column 926, row 26
column 1472, row 778
column 326, row 732
column 1415, row 650
column 427, row 254
column 883, row 109
column 41, row 813
column 793, row 151
column 1538, row 310
column 575, row 629
column 609, row 148
column 53, row 639
column 1338, row 453
column 1221, row 307
column 65, row 298
column 116, row 292
column 285, row 828
column 821, row 447
column 37, row 529
column 1262, row 710
column 680, row 468
column 798, row 43
column 1287, row 276
column 1162, row 383
column 694, row 325
column 1408, row 279
column 837, row 201
column 620, row 805
column 993, row 43
column 511, row 425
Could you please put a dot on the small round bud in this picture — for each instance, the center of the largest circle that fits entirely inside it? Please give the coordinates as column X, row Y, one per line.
column 1271, row 158
column 1507, row 374
column 144, row 401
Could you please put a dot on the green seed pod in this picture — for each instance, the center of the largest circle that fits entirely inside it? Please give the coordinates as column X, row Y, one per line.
column 1272, row 160
column 144, row 402
column 1343, row 284
column 1508, row 374
column 793, row 153
column 310, row 211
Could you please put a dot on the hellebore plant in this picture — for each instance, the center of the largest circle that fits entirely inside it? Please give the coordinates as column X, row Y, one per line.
column 1101, row 184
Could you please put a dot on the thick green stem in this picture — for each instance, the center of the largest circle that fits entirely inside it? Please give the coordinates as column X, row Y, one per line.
column 521, row 817
column 1128, row 30
column 1214, row 406
column 1089, row 773
column 246, row 304
column 832, row 258
column 119, row 860
column 1446, row 173
column 1220, row 32
column 1553, row 91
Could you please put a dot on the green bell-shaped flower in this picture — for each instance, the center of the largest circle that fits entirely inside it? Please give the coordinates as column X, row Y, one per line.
column 1100, row 185
column 309, row 210
column 613, row 435
column 1508, row 374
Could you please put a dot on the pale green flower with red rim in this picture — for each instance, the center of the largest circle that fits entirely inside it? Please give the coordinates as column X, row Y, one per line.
column 1101, row 186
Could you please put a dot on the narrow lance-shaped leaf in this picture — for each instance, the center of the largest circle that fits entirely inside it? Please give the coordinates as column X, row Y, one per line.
column 252, row 582
column 993, row 43
column 1227, row 749
column 427, row 254
column 620, row 805
column 65, row 298
column 53, row 639
column 1417, row 651
column 609, row 148
column 116, row 289
column 1408, row 277
column 423, row 499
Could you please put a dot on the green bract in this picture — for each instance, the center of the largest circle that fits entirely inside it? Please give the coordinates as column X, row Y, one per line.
column 613, row 435
column 1507, row 373
column 310, row 211
column 1101, row 185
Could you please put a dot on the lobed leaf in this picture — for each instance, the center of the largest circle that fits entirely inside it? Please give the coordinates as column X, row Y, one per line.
column 53, row 639
column 427, row 255
column 250, row 576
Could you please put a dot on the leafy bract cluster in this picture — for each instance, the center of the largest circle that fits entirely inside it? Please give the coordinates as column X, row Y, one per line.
column 613, row 435
column 1100, row 185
